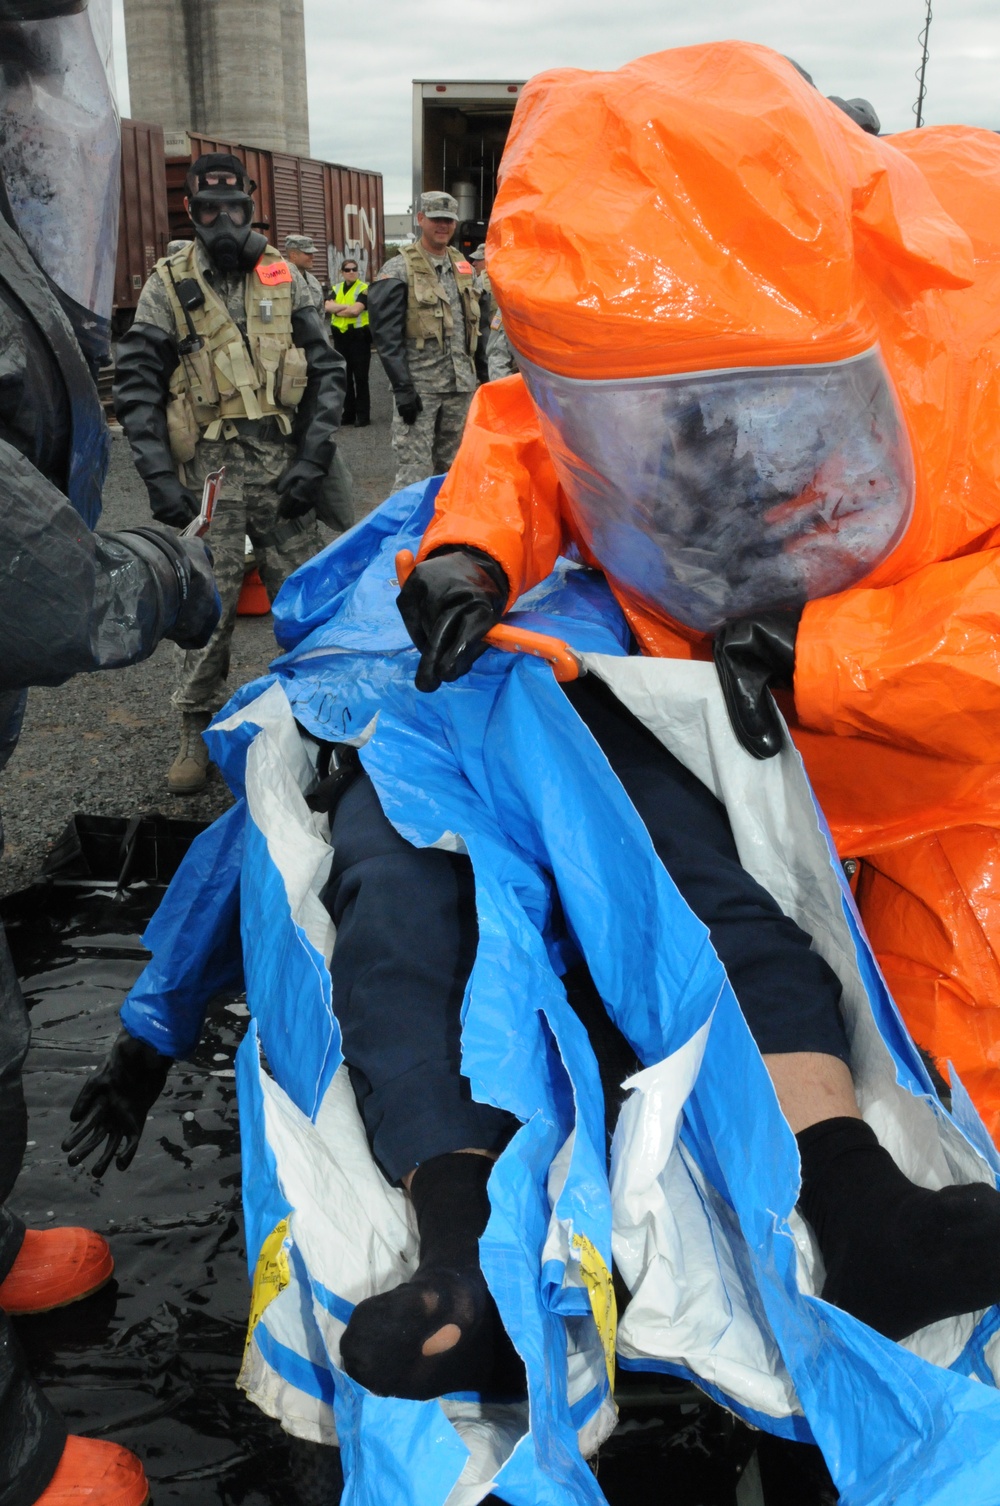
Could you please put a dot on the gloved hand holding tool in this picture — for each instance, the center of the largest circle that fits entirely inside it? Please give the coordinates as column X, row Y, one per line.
column 752, row 654
column 113, row 1105
column 448, row 602
column 170, row 501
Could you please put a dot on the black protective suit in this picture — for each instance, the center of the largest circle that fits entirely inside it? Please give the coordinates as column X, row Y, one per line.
column 70, row 600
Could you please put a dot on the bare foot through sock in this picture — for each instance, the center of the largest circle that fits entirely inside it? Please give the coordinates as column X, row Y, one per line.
column 897, row 1256
column 440, row 1332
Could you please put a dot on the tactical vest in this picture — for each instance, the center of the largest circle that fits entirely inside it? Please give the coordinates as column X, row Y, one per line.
column 341, row 294
column 428, row 307
column 261, row 375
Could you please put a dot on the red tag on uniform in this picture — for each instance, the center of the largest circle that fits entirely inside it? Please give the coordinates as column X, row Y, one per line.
column 274, row 273
column 464, row 266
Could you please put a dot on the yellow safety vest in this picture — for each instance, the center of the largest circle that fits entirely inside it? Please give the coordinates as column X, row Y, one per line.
column 341, row 294
column 428, row 307
column 263, row 375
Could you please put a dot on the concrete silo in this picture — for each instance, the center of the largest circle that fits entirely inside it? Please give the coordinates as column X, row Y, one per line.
column 293, row 41
column 231, row 69
column 156, row 43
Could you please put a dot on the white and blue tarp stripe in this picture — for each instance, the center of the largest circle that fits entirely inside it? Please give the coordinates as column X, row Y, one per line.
column 700, row 1208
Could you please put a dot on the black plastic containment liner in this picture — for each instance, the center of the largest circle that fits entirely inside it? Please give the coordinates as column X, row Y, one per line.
column 152, row 1360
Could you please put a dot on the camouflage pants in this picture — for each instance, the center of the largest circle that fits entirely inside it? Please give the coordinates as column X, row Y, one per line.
column 428, row 447
column 280, row 547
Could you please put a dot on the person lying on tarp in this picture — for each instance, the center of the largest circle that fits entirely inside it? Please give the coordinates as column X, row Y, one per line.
column 712, row 420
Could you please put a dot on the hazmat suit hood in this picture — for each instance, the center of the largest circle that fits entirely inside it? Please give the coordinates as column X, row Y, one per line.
column 685, row 253
column 60, row 156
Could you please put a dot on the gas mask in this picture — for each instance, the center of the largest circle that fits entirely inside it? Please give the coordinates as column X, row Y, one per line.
column 60, row 155
column 222, row 222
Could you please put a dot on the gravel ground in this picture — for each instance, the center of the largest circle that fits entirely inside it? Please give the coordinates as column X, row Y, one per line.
column 102, row 743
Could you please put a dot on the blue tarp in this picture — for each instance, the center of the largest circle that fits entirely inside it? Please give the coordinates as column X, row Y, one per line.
column 501, row 760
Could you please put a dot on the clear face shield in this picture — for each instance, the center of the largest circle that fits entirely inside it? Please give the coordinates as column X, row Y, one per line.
column 712, row 495
column 60, row 153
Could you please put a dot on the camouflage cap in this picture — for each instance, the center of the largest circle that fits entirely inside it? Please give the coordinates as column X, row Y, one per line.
column 480, row 252
column 439, row 206
column 303, row 243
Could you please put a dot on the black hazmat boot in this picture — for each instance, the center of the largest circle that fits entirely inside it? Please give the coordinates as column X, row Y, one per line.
column 447, row 1300
column 897, row 1256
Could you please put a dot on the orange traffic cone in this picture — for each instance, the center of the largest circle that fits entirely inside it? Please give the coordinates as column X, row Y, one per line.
column 253, row 600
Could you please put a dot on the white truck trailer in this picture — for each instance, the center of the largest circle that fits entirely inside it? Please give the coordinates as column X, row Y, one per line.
column 459, row 131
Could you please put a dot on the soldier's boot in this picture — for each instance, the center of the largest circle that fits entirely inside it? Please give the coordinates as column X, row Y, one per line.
column 189, row 771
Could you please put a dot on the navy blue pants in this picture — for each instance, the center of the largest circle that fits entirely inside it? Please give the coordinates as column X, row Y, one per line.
column 407, row 936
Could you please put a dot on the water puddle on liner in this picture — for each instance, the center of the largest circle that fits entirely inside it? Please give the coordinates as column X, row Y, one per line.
column 151, row 1361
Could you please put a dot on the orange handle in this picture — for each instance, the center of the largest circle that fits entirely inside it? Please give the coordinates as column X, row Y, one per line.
column 556, row 651
column 514, row 640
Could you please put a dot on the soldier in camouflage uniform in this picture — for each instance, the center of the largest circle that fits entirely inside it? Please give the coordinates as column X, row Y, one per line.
column 228, row 363
column 494, row 358
column 424, row 312
column 300, row 250
column 499, row 356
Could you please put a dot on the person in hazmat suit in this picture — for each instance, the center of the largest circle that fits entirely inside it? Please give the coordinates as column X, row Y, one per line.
column 700, row 452
column 731, row 449
column 882, row 559
column 71, row 600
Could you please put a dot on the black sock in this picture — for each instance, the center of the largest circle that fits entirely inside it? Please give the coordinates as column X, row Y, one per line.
column 897, row 1256
column 381, row 1346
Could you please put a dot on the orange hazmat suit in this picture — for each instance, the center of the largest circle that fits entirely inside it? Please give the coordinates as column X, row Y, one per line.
column 759, row 353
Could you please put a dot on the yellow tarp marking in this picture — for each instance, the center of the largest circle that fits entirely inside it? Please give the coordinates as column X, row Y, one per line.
column 270, row 1277
column 601, row 1291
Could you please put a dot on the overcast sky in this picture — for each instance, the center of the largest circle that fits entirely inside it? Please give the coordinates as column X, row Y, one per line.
column 360, row 107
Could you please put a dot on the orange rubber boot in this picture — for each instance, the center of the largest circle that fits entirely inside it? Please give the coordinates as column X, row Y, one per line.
column 53, row 1268
column 94, row 1473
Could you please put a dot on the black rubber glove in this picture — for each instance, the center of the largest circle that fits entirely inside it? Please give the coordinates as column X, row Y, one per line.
column 299, row 487
column 183, row 570
column 145, row 361
column 113, row 1105
column 387, row 301
column 449, row 603
column 409, row 406
column 752, row 654
column 169, row 501
column 317, row 418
